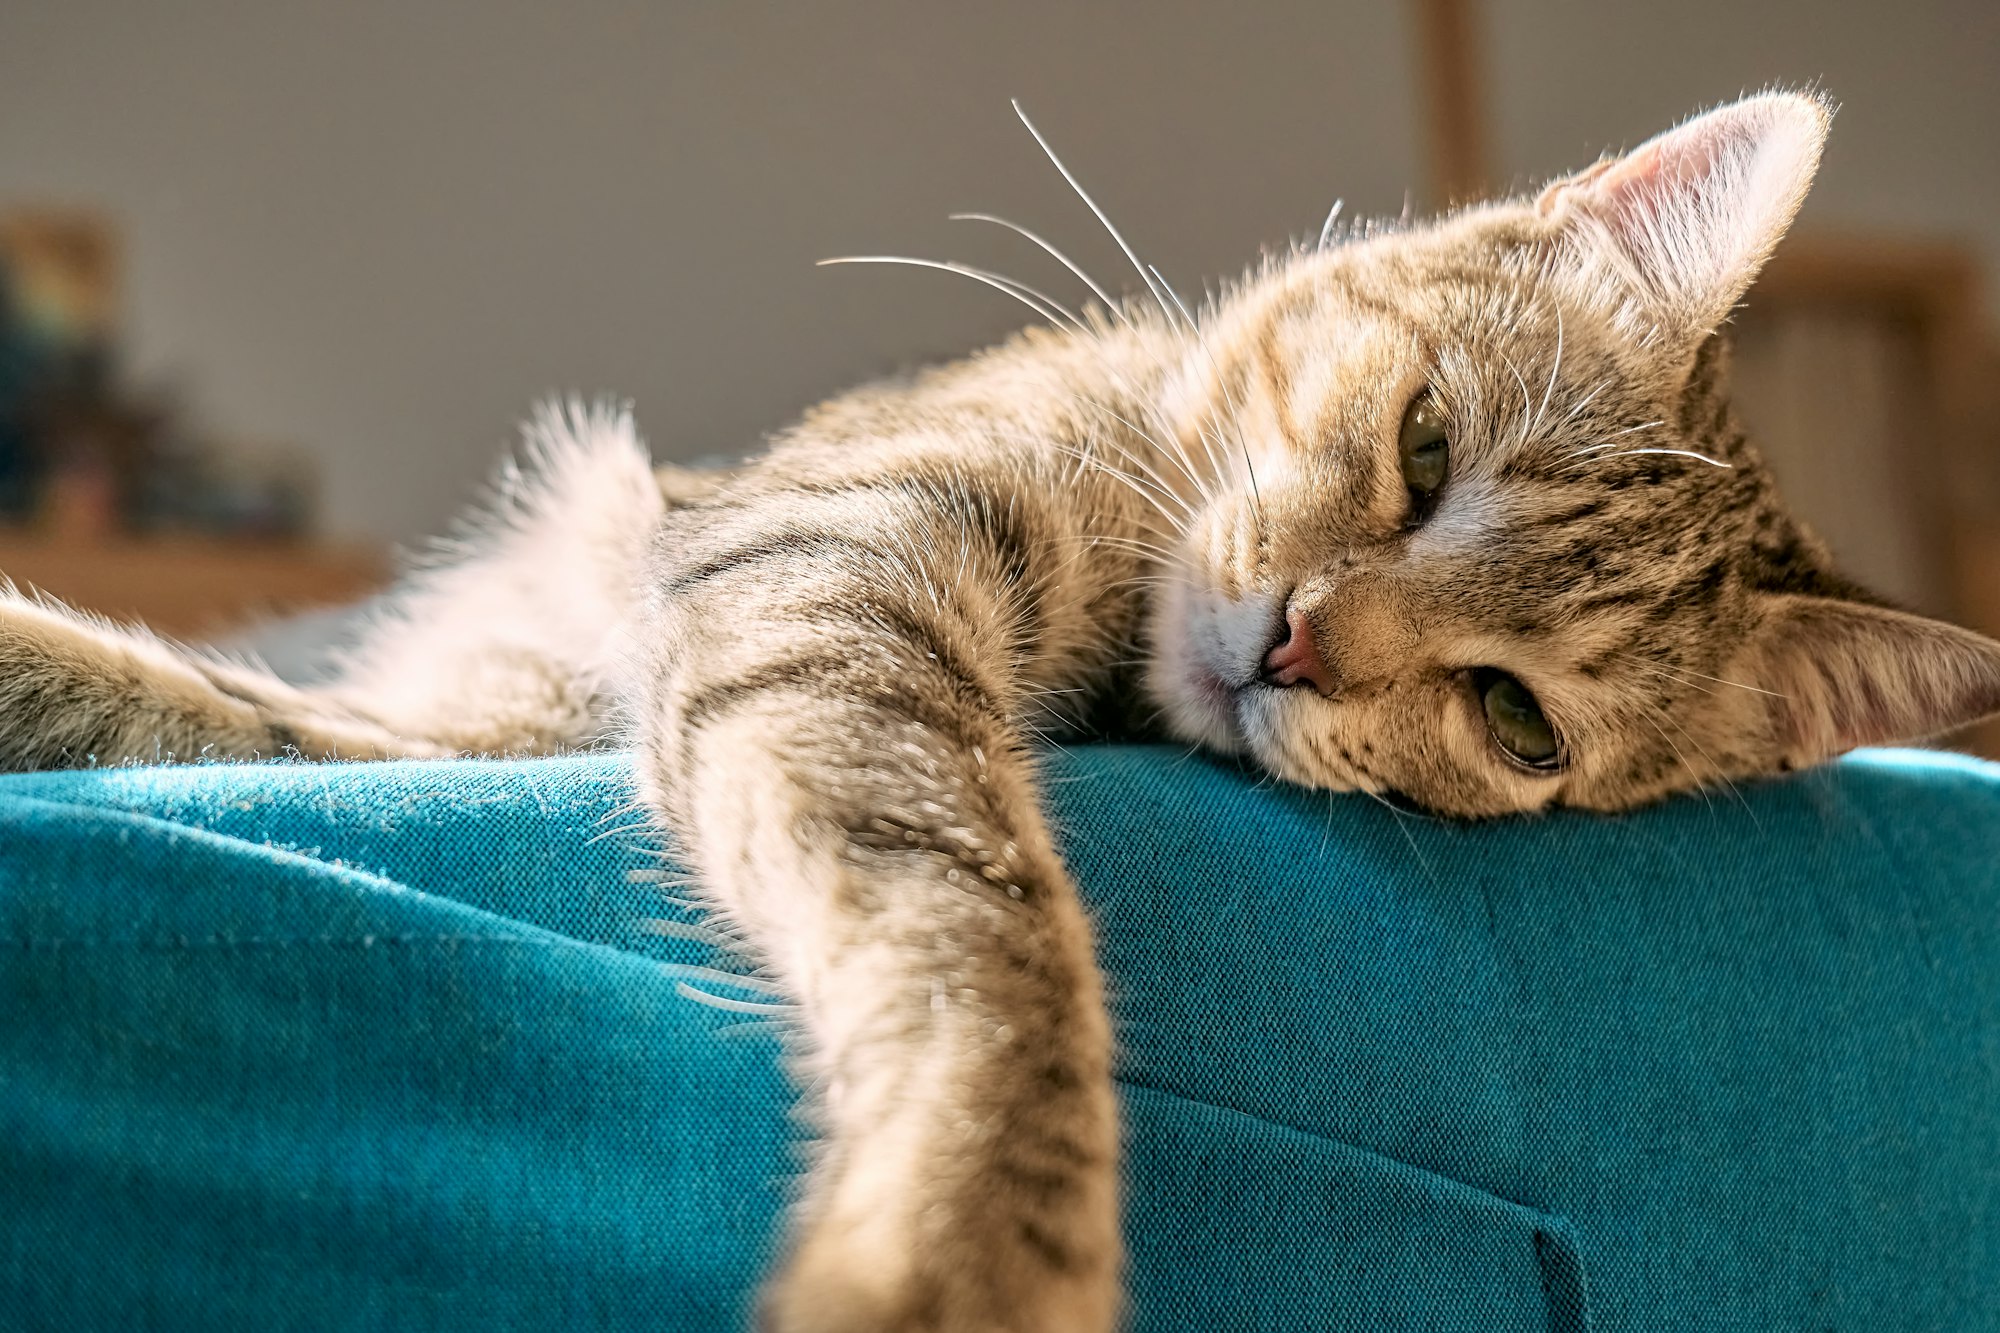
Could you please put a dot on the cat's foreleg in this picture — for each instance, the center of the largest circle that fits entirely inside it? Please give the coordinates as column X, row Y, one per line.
column 837, row 757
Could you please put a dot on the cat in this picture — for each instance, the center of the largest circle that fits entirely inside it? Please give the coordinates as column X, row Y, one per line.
column 1456, row 511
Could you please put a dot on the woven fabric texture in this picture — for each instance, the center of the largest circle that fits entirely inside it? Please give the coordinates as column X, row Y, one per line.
column 441, row 1046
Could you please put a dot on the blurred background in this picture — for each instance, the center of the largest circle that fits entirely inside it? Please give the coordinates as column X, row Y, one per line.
column 279, row 279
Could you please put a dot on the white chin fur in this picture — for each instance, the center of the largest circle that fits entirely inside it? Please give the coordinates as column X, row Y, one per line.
column 1204, row 648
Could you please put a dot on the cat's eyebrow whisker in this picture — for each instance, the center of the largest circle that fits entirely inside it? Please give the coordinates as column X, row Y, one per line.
column 1586, row 401
column 1114, row 307
column 1678, row 453
column 1663, row 673
column 1041, row 303
column 1585, row 451
column 1091, row 204
column 1754, row 689
column 1605, row 443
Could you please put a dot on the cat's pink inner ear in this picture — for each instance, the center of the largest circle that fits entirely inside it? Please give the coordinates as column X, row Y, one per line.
column 1839, row 674
column 1690, row 216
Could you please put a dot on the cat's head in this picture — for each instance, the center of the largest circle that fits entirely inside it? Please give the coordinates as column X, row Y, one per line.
column 1481, row 529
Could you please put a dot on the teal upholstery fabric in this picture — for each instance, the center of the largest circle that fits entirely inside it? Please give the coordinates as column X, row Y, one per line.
column 438, row 1046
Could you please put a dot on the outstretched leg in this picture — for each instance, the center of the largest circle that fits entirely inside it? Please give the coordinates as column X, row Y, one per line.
column 76, row 691
column 829, row 726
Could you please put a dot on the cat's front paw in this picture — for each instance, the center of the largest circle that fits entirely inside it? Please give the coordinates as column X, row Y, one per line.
column 841, row 1280
column 999, row 1259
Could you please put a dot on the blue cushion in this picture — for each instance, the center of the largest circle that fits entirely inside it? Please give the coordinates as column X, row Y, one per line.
column 440, row 1046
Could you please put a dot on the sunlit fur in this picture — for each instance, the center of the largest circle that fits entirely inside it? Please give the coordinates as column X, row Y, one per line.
column 1607, row 534
column 833, row 663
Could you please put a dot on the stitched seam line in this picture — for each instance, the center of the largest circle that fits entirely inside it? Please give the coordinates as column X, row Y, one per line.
column 1370, row 1153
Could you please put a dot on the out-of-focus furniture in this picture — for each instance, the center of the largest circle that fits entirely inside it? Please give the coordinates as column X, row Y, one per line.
column 190, row 587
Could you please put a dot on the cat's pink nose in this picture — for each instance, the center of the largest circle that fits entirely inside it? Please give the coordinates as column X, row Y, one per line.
column 1296, row 660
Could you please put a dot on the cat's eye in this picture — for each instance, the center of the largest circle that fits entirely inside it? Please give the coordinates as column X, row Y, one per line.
column 1515, row 720
column 1424, row 448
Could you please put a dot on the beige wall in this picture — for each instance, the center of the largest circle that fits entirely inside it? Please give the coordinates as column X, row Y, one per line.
column 382, row 229
column 1916, row 143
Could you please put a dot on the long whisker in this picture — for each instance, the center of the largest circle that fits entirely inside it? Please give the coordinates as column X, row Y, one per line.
column 1090, row 203
column 1179, row 304
column 1152, row 477
column 1678, row 673
column 1058, row 255
column 1605, row 443
column 1156, row 480
column 1040, row 302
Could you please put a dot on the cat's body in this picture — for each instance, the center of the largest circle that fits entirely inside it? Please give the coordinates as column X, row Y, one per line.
column 1459, row 514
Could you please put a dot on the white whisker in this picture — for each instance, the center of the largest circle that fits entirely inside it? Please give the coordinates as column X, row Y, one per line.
column 1090, row 203
column 1059, row 256
column 1586, row 401
column 1678, row 453
column 1042, row 304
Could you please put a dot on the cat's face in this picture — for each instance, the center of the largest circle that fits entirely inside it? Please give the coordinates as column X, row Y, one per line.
column 1479, row 528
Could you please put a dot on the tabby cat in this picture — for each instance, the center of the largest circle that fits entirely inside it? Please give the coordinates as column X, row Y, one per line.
column 1457, row 512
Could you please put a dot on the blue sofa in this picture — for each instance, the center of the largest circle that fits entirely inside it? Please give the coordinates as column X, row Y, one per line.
column 439, row 1046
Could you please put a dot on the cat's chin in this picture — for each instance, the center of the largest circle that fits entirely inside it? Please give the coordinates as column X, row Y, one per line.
column 1200, row 707
column 1196, row 704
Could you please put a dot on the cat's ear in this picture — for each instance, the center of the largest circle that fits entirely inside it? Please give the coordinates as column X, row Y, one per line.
column 1685, row 220
column 1835, row 674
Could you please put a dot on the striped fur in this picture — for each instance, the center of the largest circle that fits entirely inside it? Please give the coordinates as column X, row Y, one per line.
column 835, row 662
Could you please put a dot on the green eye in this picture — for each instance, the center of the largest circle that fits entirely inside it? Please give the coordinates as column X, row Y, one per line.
column 1424, row 447
column 1515, row 719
